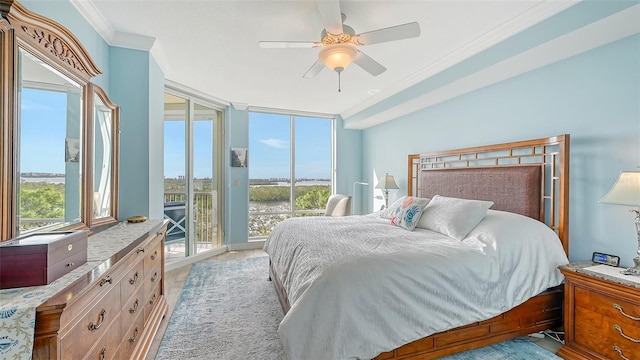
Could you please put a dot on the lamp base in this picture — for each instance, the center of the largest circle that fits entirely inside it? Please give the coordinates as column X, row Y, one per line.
column 634, row 271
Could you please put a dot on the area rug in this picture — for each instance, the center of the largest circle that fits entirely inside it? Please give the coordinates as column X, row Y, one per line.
column 228, row 310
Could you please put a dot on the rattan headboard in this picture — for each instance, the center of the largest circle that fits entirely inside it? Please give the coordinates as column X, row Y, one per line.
column 527, row 177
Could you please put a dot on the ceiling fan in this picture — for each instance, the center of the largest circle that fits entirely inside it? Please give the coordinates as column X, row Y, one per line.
column 339, row 42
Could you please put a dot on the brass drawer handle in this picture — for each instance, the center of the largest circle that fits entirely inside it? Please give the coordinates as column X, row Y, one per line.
column 71, row 264
column 153, row 299
column 96, row 326
column 135, row 336
column 619, row 329
column 619, row 351
column 134, row 279
column 619, row 308
column 135, row 307
column 155, row 255
column 140, row 250
column 103, row 353
column 154, row 277
column 106, row 280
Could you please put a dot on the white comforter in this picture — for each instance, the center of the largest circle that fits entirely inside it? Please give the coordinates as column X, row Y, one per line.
column 359, row 286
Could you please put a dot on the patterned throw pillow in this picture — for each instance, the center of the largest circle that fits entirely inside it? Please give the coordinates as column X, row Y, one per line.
column 391, row 210
column 408, row 213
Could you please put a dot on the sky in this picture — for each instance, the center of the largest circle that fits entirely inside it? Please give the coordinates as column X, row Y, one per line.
column 269, row 147
column 42, row 131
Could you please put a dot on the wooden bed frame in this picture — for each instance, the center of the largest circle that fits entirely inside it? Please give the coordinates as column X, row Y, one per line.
column 528, row 177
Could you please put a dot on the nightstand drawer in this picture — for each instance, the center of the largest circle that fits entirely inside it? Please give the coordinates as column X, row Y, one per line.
column 604, row 335
column 612, row 307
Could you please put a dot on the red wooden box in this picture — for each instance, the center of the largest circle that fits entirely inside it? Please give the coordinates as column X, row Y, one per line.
column 40, row 258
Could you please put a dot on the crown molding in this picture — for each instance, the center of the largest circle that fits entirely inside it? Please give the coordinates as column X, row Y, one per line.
column 612, row 28
column 95, row 18
column 132, row 41
column 510, row 28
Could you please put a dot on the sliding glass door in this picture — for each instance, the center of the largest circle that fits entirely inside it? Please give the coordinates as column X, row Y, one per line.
column 192, row 170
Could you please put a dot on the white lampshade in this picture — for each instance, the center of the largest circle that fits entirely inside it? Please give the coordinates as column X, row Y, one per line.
column 626, row 190
column 338, row 56
column 387, row 182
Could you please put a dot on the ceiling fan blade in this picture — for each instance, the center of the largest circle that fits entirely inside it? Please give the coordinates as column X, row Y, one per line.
column 331, row 15
column 314, row 70
column 368, row 64
column 287, row 44
column 398, row 32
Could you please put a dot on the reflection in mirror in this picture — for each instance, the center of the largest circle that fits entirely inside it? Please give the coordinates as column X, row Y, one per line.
column 50, row 139
column 103, row 162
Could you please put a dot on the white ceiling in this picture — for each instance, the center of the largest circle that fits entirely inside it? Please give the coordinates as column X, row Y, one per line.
column 212, row 46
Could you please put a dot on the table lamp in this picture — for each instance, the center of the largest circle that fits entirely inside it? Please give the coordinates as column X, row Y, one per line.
column 626, row 191
column 386, row 183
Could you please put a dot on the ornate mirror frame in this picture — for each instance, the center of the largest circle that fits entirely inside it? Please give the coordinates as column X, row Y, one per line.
column 56, row 46
column 113, row 152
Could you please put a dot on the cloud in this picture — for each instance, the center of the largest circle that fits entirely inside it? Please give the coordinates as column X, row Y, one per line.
column 275, row 143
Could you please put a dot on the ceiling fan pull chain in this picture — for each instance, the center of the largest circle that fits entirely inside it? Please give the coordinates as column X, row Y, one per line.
column 339, row 90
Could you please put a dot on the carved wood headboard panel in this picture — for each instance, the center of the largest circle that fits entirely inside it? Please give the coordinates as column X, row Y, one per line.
column 528, row 177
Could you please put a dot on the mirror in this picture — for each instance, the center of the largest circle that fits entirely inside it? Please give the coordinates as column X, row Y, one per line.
column 47, row 112
column 49, row 157
column 105, row 156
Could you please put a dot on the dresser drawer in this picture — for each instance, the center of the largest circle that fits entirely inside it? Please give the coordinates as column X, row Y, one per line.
column 152, row 259
column 152, row 299
column 131, row 281
column 106, row 348
column 613, row 307
column 131, row 336
column 107, row 284
column 93, row 325
column 131, row 308
column 604, row 334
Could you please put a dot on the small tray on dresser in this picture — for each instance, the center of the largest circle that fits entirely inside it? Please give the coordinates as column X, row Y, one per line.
column 41, row 258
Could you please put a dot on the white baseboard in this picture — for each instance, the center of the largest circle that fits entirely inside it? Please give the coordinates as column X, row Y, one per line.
column 195, row 258
column 207, row 254
column 259, row 244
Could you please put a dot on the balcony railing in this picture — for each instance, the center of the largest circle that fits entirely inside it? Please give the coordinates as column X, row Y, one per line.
column 205, row 216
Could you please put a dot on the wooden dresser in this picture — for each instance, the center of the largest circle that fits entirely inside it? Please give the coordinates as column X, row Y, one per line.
column 602, row 315
column 111, row 313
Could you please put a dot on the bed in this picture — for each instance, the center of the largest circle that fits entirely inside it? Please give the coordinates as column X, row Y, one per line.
column 357, row 287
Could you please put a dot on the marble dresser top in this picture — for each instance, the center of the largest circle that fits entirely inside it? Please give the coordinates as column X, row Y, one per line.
column 604, row 272
column 18, row 306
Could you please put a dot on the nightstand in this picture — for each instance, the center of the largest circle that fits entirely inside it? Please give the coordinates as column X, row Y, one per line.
column 601, row 314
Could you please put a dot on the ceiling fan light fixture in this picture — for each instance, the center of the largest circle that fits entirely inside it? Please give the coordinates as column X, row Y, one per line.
column 338, row 56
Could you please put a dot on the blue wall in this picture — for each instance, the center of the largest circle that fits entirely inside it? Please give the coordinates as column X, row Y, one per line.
column 129, row 79
column 237, row 181
column 594, row 97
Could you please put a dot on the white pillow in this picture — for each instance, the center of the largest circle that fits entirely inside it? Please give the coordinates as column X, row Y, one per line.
column 452, row 216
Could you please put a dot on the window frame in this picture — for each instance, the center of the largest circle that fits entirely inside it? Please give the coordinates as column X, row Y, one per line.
column 293, row 114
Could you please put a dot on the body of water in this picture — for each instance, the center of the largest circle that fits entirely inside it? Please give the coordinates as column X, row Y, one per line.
column 49, row 180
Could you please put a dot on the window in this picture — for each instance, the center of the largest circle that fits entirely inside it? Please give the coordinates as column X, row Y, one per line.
column 290, row 168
